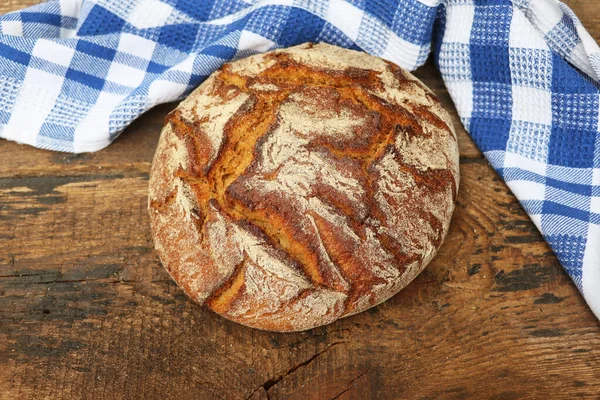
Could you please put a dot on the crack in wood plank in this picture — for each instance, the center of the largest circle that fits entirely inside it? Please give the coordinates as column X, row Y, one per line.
column 274, row 381
column 349, row 386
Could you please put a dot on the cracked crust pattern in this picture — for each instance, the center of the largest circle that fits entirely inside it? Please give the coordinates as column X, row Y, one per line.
column 296, row 187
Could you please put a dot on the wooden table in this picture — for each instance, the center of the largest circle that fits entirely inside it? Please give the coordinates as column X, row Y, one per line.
column 87, row 311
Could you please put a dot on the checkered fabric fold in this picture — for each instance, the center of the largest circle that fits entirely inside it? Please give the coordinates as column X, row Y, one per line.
column 523, row 75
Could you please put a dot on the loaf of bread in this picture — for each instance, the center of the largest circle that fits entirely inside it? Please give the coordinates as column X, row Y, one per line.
column 299, row 186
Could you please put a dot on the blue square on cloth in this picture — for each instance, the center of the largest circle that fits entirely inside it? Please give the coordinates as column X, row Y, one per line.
column 47, row 66
column 60, row 132
column 490, row 133
column 181, row 37
column 100, row 21
column 576, row 111
column 125, row 111
column 490, row 64
column 199, row 10
column 559, row 219
column 412, row 21
column 566, row 79
column 384, row 10
column 123, row 8
column 15, row 61
column 156, row 68
column 86, row 79
column 267, row 21
column 93, row 59
column 220, row 51
column 39, row 30
column 516, row 174
column 570, row 195
column 332, row 35
column 569, row 249
column 489, row 41
column 373, row 36
column 177, row 76
column 576, row 180
column 311, row 25
column 79, row 91
column 166, row 56
column 92, row 66
column 95, row 50
column 574, row 130
column 131, row 60
column 205, row 65
column 4, row 118
column 571, row 147
column 42, row 18
column 532, row 207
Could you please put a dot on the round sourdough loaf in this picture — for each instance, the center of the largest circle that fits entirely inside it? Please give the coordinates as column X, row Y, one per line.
column 299, row 186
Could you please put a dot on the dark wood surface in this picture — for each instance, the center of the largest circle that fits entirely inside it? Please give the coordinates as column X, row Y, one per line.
column 87, row 311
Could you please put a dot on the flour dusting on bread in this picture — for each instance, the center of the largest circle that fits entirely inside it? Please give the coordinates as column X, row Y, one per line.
column 350, row 172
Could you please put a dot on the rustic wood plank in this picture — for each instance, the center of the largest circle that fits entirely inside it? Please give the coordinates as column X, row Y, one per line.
column 14, row 5
column 86, row 311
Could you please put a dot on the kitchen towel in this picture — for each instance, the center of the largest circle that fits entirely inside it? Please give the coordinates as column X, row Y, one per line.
column 523, row 74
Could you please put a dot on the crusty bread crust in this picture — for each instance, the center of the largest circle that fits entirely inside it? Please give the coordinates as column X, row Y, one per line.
column 296, row 187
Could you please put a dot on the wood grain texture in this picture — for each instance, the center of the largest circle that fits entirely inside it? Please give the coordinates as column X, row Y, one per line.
column 86, row 310
column 13, row 5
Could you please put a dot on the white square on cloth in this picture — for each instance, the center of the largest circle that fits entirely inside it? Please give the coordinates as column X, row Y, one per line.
column 345, row 16
column 591, row 272
column 162, row 90
column 51, row 51
column 14, row 28
column 70, row 8
column 36, row 100
column 253, row 41
column 546, row 14
column 595, row 205
column 523, row 34
column 462, row 93
column 136, row 45
column 512, row 160
column 125, row 75
column 460, row 23
column 400, row 51
column 527, row 190
column 531, row 105
column 596, row 177
column 93, row 129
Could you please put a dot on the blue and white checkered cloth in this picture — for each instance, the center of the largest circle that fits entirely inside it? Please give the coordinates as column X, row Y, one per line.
column 523, row 74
